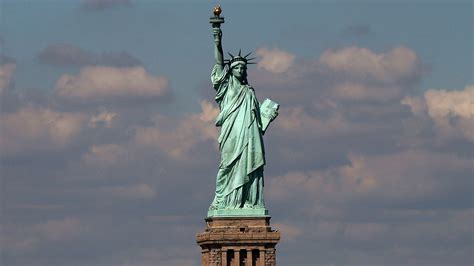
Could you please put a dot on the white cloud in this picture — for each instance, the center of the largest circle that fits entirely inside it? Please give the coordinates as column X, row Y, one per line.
column 398, row 64
column 99, row 83
column 33, row 129
column 443, row 103
column 274, row 60
column 452, row 112
column 6, row 74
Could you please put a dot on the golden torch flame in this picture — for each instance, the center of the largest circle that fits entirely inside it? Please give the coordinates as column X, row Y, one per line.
column 217, row 10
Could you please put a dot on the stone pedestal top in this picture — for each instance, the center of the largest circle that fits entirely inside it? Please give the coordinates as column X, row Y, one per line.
column 232, row 222
column 242, row 230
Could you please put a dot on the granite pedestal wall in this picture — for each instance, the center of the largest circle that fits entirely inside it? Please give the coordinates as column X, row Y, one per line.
column 237, row 241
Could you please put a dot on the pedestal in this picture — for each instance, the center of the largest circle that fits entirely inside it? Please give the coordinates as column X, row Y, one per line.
column 236, row 241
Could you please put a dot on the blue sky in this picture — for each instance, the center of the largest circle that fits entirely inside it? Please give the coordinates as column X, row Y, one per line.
column 160, row 33
column 106, row 103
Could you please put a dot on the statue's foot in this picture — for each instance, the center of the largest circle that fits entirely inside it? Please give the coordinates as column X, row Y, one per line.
column 249, row 206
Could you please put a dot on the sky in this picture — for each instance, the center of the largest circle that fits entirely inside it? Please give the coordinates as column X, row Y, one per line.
column 108, row 148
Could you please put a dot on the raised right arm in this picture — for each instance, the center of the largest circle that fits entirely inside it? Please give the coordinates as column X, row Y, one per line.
column 218, row 54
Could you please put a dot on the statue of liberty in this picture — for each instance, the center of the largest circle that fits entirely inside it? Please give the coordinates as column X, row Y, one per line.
column 243, row 121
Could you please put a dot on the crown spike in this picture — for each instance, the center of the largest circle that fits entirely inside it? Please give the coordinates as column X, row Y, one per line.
column 248, row 55
column 230, row 55
column 248, row 59
column 240, row 51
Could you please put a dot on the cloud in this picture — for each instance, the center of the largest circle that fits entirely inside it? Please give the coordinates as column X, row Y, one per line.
column 409, row 178
column 405, row 236
column 274, row 60
column 339, row 185
column 97, row 83
column 167, row 256
column 26, row 238
column 382, row 205
column 342, row 136
column 452, row 112
column 58, row 230
column 6, row 74
column 104, row 118
column 38, row 129
column 188, row 132
column 70, row 55
column 6, row 59
column 417, row 105
column 307, row 123
column 350, row 79
column 363, row 92
column 100, row 5
column 290, row 232
column 365, row 231
column 399, row 64
column 443, row 103
column 105, row 155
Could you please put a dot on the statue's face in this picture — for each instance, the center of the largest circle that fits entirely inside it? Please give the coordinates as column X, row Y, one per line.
column 239, row 71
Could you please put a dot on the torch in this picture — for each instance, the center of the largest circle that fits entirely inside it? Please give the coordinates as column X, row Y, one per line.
column 216, row 20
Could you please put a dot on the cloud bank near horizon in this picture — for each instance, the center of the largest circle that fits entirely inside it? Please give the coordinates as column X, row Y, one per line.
column 323, row 167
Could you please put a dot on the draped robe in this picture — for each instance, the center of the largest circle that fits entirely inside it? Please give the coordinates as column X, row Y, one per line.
column 239, row 181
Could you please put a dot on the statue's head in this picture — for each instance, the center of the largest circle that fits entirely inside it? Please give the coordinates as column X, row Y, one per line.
column 239, row 70
column 238, row 65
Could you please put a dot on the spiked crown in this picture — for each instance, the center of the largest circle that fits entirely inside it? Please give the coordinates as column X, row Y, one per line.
column 234, row 60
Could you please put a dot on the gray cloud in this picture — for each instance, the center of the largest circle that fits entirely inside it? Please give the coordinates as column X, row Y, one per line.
column 4, row 59
column 380, row 181
column 348, row 178
column 38, row 129
column 100, row 5
column 70, row 55
column 344, row 78
column 6, row 76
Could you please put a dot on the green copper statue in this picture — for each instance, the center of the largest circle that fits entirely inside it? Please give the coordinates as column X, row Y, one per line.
column 243, row 121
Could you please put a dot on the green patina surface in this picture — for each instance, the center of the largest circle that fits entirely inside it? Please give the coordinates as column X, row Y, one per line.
column 237, row 212
column 243, row 121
